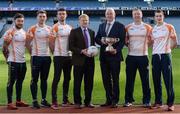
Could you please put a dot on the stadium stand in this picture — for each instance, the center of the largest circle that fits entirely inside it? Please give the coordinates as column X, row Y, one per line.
column 92, row 3
column 1, row 26
column 94, row 20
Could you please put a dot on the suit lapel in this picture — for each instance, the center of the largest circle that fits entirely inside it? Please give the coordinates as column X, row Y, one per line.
column 81, row 36
column 91, row 36
column 104, row 29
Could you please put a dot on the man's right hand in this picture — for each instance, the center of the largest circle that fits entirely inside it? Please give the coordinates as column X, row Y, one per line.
column 84, row 51
column 103, row 41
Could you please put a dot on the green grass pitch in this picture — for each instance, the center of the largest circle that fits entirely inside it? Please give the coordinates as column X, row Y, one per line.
column 98, row 90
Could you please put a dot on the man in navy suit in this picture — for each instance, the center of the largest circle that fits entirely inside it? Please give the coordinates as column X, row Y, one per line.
column 80, row 40
column 110, row 60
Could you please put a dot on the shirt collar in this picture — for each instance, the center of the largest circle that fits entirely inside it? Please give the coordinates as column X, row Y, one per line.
column 61, row 24
column 82, row 28
column 39, row 26
column 160, row 25
column 16, row 28
column 137, row 25
column 111, row 23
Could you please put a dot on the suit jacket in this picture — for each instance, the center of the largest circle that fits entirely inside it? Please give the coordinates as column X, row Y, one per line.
column 117, row 31
column 77, row 43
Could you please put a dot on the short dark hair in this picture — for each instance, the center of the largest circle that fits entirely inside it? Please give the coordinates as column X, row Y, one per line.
column 41, row 11
column 136, row 9
column 18, row 15
column 61, row 9
column 159, row 11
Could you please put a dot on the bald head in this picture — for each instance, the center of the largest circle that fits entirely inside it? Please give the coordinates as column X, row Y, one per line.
column 110, row 14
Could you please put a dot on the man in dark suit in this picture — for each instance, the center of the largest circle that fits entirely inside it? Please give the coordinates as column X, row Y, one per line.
column 110, row 60
column 79, row 40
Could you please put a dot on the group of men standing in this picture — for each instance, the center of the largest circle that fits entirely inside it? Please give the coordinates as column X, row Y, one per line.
column 70, row 47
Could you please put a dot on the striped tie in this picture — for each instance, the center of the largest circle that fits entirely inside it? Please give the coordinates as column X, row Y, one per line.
column 107, row 28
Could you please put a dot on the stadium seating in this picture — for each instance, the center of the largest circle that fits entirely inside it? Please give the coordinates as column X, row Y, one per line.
column 94, row 21
column 80, row 3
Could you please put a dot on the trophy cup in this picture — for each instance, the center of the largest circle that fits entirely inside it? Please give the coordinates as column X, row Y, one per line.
column 110, row 41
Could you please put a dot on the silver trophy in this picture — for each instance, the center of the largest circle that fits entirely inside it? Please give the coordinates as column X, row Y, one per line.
column 110, row 41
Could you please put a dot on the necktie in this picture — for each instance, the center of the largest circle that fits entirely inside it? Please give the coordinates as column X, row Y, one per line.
column 86, row 37
column 107, row 28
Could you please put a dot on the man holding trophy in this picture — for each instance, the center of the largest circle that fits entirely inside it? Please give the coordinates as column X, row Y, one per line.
column 111, row 38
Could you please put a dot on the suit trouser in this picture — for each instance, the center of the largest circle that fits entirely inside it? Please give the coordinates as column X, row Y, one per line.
column 140, row 63
column 40, row 66
column 16, row 73
column 87, row 72
column 61, row 63
column 110, row 74
column 162, row 63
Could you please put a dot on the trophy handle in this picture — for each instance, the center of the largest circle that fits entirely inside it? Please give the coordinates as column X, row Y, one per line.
column 117, row 40
column 103, row 39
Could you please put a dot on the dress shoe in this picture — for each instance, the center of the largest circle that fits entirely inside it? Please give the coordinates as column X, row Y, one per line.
column 89, row 106
column 114, row 105
column 78, row 106
column 106, row 104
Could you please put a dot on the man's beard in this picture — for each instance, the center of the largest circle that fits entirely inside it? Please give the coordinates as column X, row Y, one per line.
column 62, row 21
column 18, row 27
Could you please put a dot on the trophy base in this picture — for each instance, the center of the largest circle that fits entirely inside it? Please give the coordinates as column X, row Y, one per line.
column 109, row 49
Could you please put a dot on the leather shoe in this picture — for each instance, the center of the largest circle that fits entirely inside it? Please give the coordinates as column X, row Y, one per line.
column 114, row 105
column 78, row 106
column 89, row 106
column 105, row 104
